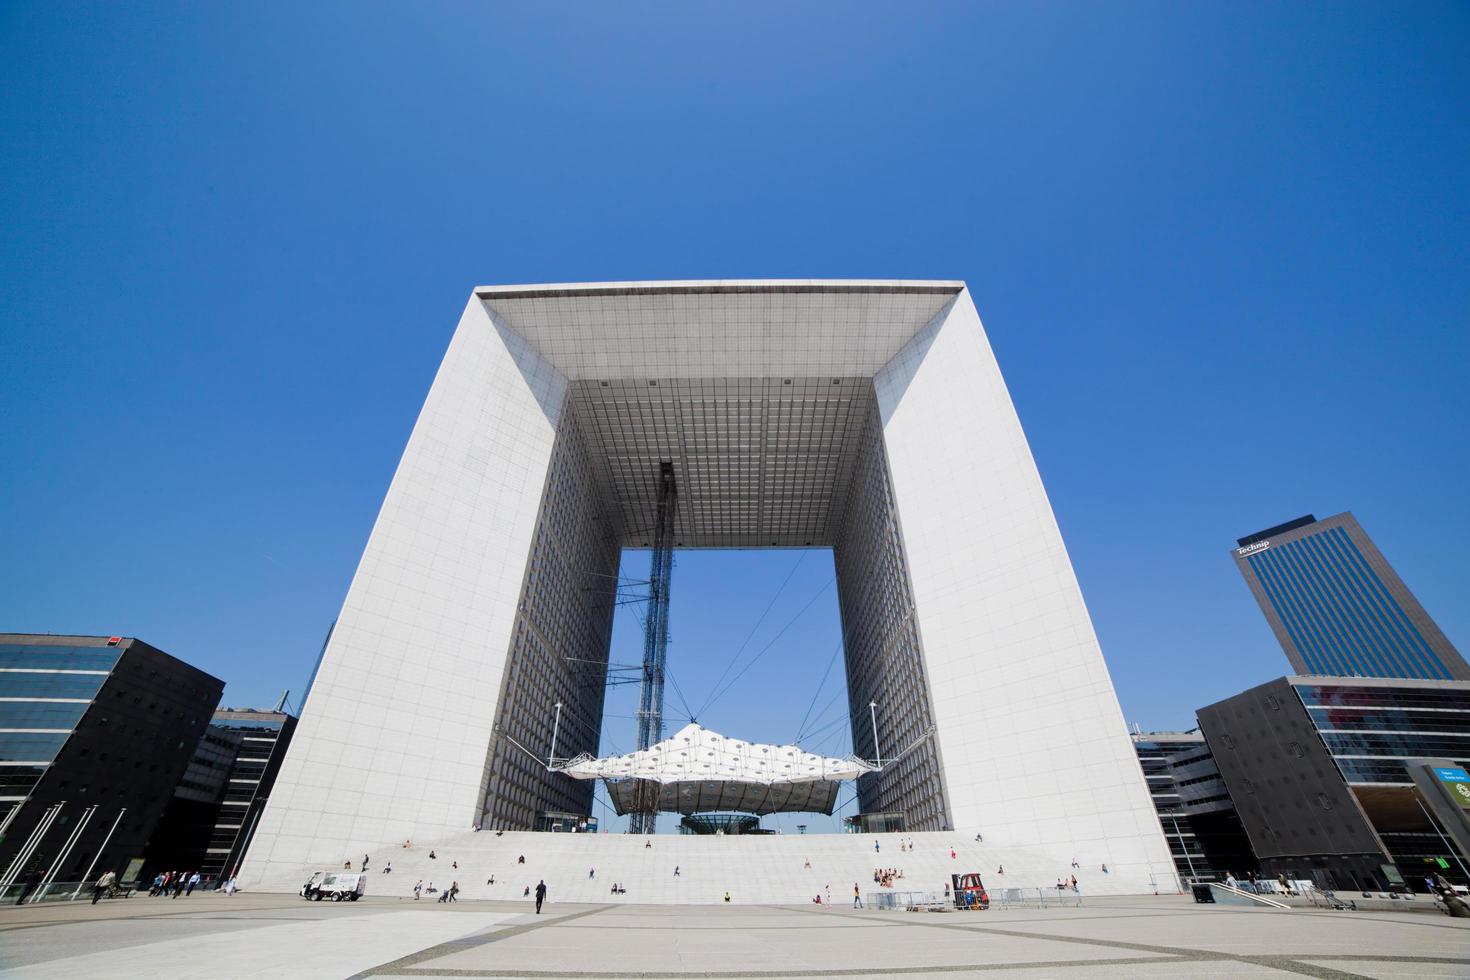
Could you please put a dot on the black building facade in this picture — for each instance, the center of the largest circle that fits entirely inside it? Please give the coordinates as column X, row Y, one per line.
column 209, row 822
column 95, row 733
column 1322, row 771
column 1199, row 821
column 1337, row 607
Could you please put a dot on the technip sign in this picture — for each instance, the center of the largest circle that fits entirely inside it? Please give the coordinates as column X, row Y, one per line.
column 1251, row 549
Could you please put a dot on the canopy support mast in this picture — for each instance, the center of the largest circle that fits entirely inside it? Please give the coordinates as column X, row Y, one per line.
column 655, row 644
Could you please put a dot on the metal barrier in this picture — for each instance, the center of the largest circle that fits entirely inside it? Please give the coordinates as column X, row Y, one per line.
column 57, row 891
column 1037, row 898
column 1004, row 898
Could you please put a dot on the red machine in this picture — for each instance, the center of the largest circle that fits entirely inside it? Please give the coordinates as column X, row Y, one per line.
column 969, row 892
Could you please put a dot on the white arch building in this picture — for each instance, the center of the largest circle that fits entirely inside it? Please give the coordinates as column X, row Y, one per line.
column 869, row 417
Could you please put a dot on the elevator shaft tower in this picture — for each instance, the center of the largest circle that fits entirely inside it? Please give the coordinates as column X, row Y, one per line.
column 655, row 644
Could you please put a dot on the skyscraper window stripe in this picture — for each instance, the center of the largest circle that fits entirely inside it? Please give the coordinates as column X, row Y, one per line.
column 1332, row 654
column 1395, row 621
column 1292, row 614
column 1321, row 600
column 1400, row 662
column 1373, row 651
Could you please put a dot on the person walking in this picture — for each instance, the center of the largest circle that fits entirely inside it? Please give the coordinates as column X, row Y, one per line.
column 418, row 889
column 453, row 891
column 540, row 895
column 193, row 884
column 857, row 896
column 103, row 886
column 30, row 882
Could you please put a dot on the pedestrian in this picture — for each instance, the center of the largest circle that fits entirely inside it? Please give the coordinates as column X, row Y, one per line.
column 230, row 887
column 1074, row 883
column 490, row 880
column 727, row 898
column 857, row 896
column 527, row 892
column 1000, row 870
column 540, row 895
column 808, row 864
column 103, row 886
column 364, row 862
column 647, row 843
column 193, row 884
column 951, row 854
column 432, row 855
column 179, row 881
column 346, row 865
column 388, row 868
column 30, row 882
column 591, row 873
column 876, row 848
column 676, row 871
column 157, row 884
column 418, row 889
column 521, row 859
column 453, row 891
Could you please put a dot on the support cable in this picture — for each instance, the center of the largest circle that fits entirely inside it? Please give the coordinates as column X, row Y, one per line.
column 764, row 650
column 751, row 635
column 817, row 693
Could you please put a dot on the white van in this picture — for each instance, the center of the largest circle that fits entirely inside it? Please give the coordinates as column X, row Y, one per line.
column 344, row 887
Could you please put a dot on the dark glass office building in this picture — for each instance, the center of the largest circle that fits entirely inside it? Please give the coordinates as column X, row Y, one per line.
column 95, row 733
column 1199, row 821
column 209, row 822
column 1328, row 775
column 1338, row 608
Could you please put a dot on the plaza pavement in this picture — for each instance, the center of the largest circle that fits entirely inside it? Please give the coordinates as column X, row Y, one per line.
column 274, row 936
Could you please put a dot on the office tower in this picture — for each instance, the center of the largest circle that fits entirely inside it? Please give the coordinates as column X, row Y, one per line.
column 1338, row 608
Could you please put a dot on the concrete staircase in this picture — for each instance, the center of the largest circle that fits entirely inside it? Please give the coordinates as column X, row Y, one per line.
column 755, row 870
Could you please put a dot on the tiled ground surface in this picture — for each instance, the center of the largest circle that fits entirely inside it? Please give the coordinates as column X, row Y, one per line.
column 1128, row 939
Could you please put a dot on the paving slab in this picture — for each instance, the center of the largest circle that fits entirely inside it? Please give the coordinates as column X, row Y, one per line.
column 1132, row 939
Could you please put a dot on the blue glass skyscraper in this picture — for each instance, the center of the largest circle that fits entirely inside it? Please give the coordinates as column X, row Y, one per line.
column 1338, row 608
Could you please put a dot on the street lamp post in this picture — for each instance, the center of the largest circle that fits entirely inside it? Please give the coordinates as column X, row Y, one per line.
column 1187, row 858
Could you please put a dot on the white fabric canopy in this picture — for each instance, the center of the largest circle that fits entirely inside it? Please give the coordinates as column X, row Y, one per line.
column 695, row 754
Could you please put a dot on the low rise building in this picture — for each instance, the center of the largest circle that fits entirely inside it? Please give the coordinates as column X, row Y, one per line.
column 1328, row 775
column 95, row 734
column 1204, row 833
column 214, row 809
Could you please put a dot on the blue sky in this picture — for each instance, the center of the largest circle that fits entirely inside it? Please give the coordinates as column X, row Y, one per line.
column 1220, row 251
